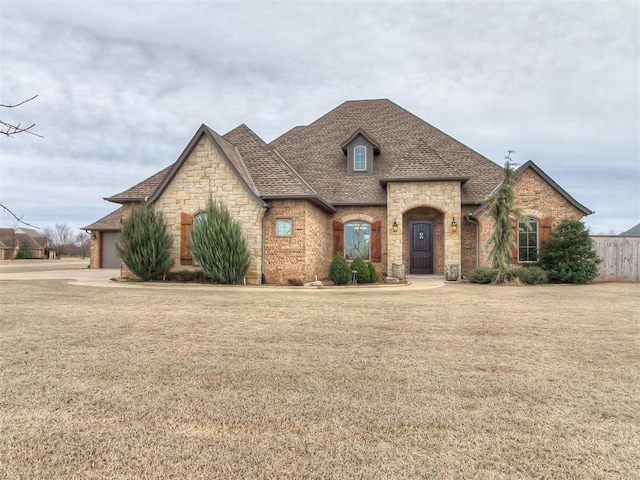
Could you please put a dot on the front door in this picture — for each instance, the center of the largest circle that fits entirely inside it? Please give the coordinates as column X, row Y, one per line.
column 421, row 246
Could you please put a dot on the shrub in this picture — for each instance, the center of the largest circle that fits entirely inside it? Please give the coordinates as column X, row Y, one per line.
column 532, row 275
column 217, row 245
column 569, row 256
column 295, row 282
column 373, row 274
column 362, row 268
column 483, row 275
column 21, row 255
column 145, row 245
column 339, row 270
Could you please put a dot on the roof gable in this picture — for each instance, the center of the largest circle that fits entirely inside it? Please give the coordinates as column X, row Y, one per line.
column 229, row 153
column 360, row 131
column 423, row 163
column 530, row 164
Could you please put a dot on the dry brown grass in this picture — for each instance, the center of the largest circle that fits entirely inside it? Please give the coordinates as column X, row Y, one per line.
column 463, row 381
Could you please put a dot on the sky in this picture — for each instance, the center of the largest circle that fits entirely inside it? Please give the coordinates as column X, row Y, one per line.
column 123, row 85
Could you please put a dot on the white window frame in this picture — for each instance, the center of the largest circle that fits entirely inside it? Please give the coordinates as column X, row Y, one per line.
column 356, row 149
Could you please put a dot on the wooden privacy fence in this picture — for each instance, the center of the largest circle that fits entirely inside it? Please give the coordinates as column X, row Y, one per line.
column 620, row 258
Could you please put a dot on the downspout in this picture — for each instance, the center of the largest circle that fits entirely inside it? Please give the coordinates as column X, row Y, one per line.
column 263, row 278
column 470, row 219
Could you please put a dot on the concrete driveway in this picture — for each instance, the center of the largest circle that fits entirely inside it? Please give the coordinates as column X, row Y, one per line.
column 77, row 272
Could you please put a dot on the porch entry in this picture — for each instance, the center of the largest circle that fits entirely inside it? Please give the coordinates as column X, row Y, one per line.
column 421, row 246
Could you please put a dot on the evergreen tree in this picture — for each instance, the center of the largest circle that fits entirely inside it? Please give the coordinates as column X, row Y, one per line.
column 363, row 270
column 217, row 245
column 339, row 270
column 502, row 209
column 145, row 245
column 569, row 256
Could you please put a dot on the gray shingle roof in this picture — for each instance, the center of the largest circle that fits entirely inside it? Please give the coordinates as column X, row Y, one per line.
column 112, row 221
column 309, row 161
column 142, row 190
column 314, row 151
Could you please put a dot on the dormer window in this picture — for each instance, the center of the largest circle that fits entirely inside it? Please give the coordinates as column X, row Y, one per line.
column 360, row 159
column 360, row 150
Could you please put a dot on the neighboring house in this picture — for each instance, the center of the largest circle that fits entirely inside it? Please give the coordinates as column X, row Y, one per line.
column 28, row 240
column 632, row 232
column 367, row 179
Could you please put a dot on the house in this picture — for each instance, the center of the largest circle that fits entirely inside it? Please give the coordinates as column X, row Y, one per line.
column 632, row 232
column 27, row 240
column 366, row 179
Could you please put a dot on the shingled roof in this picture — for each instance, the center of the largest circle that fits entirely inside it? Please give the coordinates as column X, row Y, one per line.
column 315, row 153
column 112, row 221
column 310, row 162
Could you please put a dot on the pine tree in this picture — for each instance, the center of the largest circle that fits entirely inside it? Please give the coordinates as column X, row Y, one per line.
column 217, row 245
column 145, row 245
column 569, row 256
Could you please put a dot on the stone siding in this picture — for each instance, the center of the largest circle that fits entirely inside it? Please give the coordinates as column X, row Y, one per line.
column 443, row 196
column 207, row 173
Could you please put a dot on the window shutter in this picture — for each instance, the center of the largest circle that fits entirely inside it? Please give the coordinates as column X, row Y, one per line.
column 186, row 221
column 338, row 238
column 376, row 241
column 514, row 247
column 545, row 230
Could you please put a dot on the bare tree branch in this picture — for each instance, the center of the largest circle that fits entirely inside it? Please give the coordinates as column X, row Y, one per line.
column 19, row 219
column 9, row 129
column 18, row 104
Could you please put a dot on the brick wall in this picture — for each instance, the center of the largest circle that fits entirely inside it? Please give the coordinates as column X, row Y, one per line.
column 537, row 199
column 369, row 214
column 302, row 255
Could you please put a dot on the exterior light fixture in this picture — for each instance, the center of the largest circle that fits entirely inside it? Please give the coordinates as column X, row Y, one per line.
column 394, row 227
column 454, row 225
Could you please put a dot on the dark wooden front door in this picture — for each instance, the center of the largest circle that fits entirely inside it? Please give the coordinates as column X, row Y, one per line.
column 421, row 246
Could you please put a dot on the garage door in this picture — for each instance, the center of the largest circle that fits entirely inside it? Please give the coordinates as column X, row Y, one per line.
column 110, row 257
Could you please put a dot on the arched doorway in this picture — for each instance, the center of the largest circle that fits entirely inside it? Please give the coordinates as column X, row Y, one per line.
column 424, row 241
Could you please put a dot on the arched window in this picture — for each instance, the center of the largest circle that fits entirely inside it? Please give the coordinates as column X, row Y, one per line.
column 357, row 240
column 360, row 158
column 528, row 240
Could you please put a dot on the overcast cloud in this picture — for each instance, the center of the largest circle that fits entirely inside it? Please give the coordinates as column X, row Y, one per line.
column 124, row 85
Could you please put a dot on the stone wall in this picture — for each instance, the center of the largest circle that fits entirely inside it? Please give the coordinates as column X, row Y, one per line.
column 537, row 199
column 443, row 196
column 207, row 173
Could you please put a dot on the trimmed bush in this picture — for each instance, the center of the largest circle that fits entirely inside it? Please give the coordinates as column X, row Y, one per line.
column 569, row 256
column 217, row 245
column 145, row 245
column 532, row 275
column 339, row 270
column 363, row 270
column 373, row 273
column 483, row 275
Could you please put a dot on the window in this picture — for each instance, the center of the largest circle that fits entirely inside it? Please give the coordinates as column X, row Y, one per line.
column 528, row 241
column 360, row 158
column 357, row 240
column 284, row 227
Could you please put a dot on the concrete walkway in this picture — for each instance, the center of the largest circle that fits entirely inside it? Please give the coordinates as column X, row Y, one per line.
column 77, row 273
